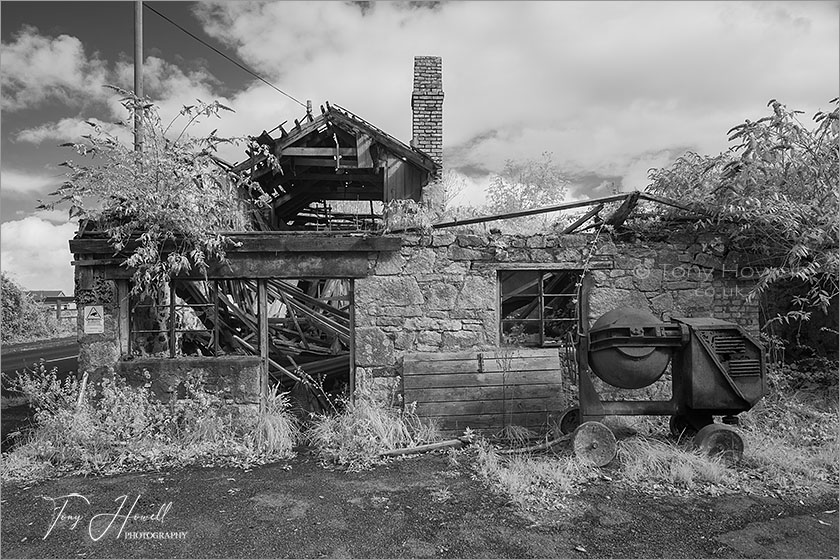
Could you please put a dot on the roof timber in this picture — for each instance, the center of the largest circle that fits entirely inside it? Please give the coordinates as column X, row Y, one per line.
column 617, row 218
column 359, row 125
column 261, row 242
column 334, row 156
column 307, row 151
column 531, row 212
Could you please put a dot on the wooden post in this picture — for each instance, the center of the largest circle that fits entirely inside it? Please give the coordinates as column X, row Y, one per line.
column 138, row 75
column 262, row 305
column 123, row 321
column 351, row 291
column 173, row 319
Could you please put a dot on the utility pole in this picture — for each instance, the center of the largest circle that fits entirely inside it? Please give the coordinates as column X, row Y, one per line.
column 138, row 75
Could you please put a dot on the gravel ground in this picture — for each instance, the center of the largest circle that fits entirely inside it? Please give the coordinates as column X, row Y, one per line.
column 418, row 507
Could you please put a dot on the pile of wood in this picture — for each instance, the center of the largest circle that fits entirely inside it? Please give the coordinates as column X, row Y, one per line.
column 308, row 324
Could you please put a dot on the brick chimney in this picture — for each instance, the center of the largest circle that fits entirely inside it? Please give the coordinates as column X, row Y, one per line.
column 427, row 108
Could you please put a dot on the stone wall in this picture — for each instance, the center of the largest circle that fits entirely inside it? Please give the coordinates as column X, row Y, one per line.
column 235, row 378
column 440, row 293
column 98, row 353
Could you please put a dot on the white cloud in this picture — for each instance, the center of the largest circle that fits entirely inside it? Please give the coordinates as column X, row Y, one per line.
column 57, row 216
column 602, row 85
column 37, row 254
column 25, row 184
column 71, row 130
column 35, row 68
column 610, row 88
column 38, row 68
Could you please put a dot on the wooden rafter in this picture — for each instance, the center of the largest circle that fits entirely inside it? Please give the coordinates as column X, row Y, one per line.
column 582, row 220
column 295, row 151
column 620, row 215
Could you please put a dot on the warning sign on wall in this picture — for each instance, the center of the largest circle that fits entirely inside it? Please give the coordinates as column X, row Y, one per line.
column 94, row 317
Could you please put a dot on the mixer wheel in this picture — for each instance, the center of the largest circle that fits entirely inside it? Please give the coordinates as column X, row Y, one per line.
column 594, row 444
column 569, row 420
column 720, row 440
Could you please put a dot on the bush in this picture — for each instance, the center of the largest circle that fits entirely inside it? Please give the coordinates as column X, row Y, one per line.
column 23, row 320
column 112, row 427
column 810, row 374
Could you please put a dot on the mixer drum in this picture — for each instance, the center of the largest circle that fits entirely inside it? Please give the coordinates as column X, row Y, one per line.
column 627, row 366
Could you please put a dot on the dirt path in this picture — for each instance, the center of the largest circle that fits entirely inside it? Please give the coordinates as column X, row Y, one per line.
column 418, row 507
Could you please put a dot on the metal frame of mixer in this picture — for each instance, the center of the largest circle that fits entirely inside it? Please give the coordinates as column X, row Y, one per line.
column 592, row 409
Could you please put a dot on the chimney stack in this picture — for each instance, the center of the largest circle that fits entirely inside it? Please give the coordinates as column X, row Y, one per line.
column 427, row 108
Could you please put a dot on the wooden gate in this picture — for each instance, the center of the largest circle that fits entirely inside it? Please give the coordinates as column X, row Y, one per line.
column 485, row 390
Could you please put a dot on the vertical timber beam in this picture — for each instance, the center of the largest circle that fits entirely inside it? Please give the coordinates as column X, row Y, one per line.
column 351, row 293
column 173, row 319
column 262, row 296
column 123, row 317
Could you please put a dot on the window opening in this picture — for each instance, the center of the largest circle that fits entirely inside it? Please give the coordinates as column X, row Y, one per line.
column 538, row 307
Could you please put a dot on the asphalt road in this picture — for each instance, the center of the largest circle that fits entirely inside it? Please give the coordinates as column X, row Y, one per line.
column 431, row 506
column 62, row 353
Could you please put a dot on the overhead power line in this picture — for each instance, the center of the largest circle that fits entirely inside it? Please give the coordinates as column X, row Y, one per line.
column 240, row 65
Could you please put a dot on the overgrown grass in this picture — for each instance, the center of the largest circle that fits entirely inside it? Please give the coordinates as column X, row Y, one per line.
column 111, row 427
column 355, row 437
column 791, row 441
column 657, row 464
column 516, row 436
column 533, row 482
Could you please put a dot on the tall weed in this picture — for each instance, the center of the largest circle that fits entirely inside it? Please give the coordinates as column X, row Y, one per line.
column 356, row 436
column 276, row 431
column 112, row 427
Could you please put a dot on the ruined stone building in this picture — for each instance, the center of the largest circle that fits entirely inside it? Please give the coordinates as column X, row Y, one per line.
column 475, row 328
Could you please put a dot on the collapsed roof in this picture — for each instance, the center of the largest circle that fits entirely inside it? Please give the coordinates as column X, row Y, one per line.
column 336, row 156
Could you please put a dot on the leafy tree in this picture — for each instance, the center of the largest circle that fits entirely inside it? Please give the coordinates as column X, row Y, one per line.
column 23, row 319
column 773, row 194
column 527, row 184
column 166, row 207
column 440, row 195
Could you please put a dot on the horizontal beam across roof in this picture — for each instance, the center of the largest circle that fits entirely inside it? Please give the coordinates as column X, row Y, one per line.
column 267, row 242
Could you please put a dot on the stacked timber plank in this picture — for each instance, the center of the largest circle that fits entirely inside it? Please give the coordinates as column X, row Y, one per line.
column 485, row 390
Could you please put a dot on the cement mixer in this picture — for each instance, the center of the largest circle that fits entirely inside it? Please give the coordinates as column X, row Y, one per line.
column 717, row 369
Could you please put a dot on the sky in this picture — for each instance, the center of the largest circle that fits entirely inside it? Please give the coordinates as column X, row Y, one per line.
column 610, row 89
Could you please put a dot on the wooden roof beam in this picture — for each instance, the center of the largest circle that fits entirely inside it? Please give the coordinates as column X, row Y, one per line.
column 295, row 151
column 307, row 161
column 580, row 221
column 521, row 213
column 619, row 216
